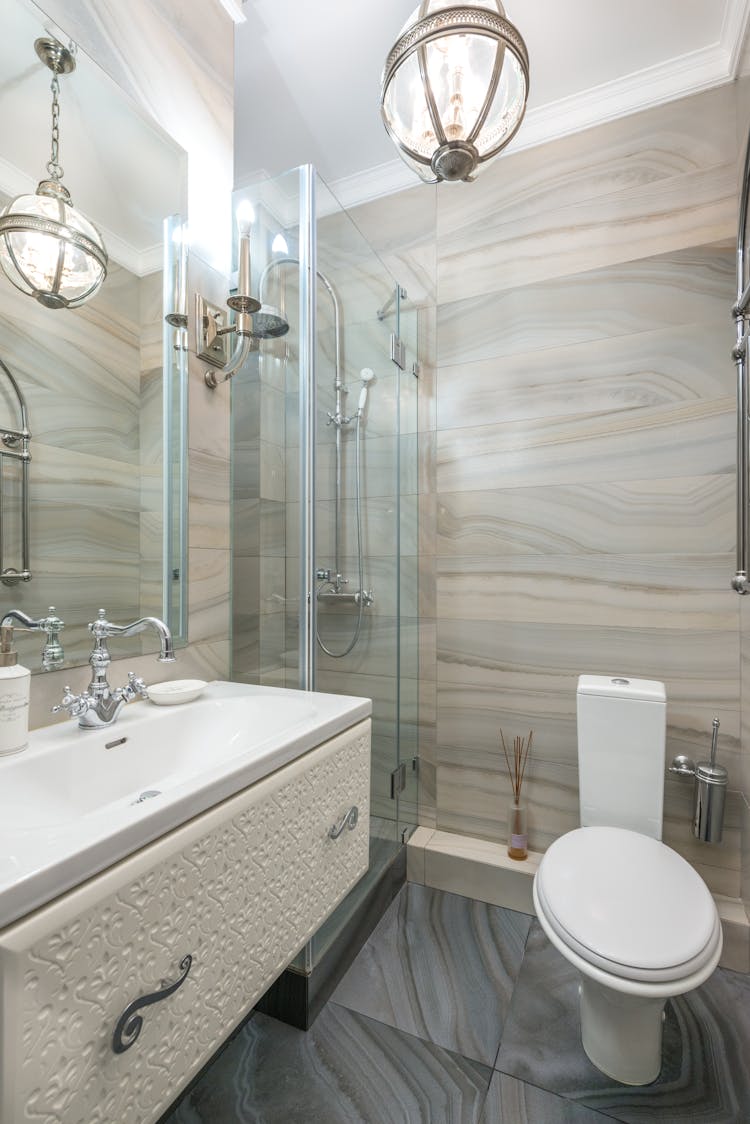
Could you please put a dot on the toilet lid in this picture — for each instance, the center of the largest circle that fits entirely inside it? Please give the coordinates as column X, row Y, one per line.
column 626, row 902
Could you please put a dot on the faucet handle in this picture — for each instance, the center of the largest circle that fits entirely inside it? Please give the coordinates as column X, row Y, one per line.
column 136, row 686
column 75, row 705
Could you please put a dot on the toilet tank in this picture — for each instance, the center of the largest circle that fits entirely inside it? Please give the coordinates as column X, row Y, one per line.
column 621, row 747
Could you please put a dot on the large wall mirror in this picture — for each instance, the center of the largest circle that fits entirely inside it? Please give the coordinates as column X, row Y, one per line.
column 104, row 384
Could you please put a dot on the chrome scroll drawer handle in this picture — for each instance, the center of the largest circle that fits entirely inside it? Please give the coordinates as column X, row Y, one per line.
column 129, row 1023
column 349, row 820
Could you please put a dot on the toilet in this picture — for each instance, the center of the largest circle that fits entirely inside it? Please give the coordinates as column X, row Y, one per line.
column 627, row 911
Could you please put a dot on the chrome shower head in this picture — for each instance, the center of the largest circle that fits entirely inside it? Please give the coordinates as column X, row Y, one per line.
column 269, row 323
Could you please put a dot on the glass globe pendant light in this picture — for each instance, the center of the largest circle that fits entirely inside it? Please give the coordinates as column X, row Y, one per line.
column 454, row 87
column 48, row 249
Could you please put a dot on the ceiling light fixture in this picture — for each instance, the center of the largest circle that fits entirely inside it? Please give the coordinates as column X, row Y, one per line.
column 454, row 87
column 48, row 249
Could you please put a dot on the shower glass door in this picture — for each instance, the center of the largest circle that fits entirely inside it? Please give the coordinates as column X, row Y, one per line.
column 357, row 492
column 324, row 463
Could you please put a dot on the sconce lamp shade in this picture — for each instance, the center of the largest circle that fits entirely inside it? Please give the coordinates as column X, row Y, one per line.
column 454, row 87
column 49, row 250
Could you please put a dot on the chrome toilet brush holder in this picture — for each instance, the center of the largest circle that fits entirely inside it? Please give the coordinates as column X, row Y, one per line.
column 709, row 790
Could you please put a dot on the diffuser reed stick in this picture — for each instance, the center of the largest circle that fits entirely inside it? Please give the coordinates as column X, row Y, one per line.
column 518, row 843
column 517, row 768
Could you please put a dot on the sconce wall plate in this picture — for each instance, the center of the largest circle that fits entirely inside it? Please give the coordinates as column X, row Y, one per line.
column 213, row 342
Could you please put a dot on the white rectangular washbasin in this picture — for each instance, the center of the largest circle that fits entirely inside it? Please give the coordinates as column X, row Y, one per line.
column 77, row 801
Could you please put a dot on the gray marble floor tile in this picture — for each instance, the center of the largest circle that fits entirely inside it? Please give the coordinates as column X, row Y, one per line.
column 510, row 1101
column 441, row 967
column 346, row 1070
column 705, row 1077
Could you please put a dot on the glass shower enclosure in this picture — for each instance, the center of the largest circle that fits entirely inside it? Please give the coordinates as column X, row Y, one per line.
column 324, row 466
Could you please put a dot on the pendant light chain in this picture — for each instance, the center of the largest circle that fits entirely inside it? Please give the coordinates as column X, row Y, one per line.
column 54, row 167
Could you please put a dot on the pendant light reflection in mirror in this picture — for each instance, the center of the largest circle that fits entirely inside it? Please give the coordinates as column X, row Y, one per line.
column 48, row 249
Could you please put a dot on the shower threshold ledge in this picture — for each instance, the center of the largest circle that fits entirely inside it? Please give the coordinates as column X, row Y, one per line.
column 478, row 868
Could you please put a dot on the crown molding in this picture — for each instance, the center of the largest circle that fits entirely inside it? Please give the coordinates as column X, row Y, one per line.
column 679, row 77
column 734, row 33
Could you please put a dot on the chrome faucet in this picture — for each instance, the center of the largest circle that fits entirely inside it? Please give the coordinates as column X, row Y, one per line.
column 53, row 655
column 99, row 705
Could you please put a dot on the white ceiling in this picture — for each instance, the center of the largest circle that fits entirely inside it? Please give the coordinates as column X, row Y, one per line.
column 307, row 76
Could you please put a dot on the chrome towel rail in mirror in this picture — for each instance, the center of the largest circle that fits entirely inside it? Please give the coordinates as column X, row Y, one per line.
column 14, row 444
column 741, row 315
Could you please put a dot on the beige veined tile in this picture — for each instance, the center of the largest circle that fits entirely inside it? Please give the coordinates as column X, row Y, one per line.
column 625, row 591
column 698, row 668
column 474, row 801
column 208, row 578
column 682, row 287
column 684, row 440
column 657, row 144
column 686, row 210
column 209, row 508
column 692, row 515
column 645, row 369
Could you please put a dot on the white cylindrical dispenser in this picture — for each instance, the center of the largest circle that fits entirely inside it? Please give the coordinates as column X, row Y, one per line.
column 621, row 746
column 15, row 683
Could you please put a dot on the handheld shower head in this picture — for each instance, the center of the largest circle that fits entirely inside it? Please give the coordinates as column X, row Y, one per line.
column 367, row 375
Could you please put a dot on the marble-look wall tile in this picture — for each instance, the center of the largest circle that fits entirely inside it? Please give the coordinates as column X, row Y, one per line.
column 402, row 230
column 685, row 440
column 650, row 294
column 694, row 208
column 698, row 668
column 692, row 515
column 208, row 578
column 620, row 591
column 651, row 368
column 655, row 145
column 208, row 501
column 475, row 801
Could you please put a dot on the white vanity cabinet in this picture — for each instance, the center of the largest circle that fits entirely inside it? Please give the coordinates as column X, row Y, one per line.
column 239, row 889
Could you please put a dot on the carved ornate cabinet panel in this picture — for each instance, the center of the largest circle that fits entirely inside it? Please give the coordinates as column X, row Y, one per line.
column 239, row 889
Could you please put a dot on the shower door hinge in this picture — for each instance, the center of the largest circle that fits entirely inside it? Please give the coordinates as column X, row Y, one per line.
column 398, row 780
column 398, row 352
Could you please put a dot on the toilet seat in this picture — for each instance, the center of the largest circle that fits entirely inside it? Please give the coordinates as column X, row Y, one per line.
column 627, row 904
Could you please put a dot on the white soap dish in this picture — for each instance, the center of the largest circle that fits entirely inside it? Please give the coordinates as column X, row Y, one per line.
column 176, row 691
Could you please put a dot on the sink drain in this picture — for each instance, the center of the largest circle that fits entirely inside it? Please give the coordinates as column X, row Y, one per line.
column 147, row 795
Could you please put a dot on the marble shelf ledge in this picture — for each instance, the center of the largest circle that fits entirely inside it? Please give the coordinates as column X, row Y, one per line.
column 477, row 868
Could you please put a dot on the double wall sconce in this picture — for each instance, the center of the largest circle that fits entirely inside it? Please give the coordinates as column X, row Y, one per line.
column 454, row 87
column 48, row 249
column 210, row 319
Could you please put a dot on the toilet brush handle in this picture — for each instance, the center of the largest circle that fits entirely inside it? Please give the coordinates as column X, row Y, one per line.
column 714, row 739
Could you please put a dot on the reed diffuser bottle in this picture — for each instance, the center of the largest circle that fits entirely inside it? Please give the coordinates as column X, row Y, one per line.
column 518, row 839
